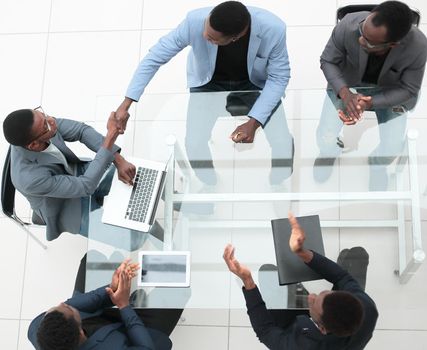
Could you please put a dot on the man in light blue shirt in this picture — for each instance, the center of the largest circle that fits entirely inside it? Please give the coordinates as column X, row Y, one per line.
column 208, row 31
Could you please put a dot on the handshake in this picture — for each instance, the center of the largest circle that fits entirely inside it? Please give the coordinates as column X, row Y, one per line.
column 116, row 123
column 125, row 170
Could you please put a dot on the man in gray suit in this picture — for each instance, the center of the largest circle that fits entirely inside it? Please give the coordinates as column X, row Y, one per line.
column 383, row 56
column 53, row 179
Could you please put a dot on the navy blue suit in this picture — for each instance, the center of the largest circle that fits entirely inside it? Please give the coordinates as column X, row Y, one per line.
column 128, row 334
column 302, row 333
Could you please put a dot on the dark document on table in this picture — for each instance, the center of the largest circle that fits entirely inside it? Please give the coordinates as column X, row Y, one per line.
column 290, row 267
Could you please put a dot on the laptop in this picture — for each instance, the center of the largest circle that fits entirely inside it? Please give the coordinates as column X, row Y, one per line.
column 134, row 207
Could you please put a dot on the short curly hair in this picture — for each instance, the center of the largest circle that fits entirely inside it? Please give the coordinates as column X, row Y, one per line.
column 342, row 313
column 57, row 332
column 17, row 127
column 395, row 16
column 229, row 18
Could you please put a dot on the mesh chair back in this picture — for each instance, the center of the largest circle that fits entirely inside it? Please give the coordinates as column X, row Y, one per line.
column 342, row 11
column 8, row 198
column 7, row 189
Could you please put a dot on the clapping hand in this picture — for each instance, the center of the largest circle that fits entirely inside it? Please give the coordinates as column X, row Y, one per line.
column 238, row 269
column 120, row 297
column 296, row 241
column 129, row 267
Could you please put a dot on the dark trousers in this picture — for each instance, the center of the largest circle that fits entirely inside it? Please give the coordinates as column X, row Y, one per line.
column 164, row 320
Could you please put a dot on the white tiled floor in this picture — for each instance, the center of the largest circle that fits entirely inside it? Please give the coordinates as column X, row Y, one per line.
column 85, row 65
column 77, row 57
column 9, row 334
column 13, row 260
column 97, row 15
column 24, row 16
column 41, row 287
column 22, row 67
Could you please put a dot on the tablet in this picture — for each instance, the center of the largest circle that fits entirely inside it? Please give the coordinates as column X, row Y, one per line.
column 164, row 269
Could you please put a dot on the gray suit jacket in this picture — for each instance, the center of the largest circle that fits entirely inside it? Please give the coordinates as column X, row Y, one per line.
column 343, row 62
column 54, row 194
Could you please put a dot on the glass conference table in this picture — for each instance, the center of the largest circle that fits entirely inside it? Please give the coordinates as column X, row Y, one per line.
column 218, row 192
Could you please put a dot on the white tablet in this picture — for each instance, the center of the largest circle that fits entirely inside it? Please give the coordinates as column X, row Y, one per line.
column 164, row 269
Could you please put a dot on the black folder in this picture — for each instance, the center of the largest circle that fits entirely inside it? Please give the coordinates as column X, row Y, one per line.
column 290, row 267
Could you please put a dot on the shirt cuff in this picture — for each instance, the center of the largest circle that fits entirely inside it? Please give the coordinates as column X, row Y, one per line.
column 314, row 261
column 131, row 98
column 252, row 296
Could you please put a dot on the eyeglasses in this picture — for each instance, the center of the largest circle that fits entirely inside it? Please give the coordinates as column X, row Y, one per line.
column 47, row 127
column 368, row 44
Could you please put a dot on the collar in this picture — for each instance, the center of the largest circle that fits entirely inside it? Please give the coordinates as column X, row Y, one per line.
column 315, row 323
column 309, row 328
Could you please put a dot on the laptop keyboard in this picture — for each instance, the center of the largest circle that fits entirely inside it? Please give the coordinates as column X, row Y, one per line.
column 142, row 191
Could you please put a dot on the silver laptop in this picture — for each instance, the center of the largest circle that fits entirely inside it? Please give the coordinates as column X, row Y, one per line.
column 134, row 207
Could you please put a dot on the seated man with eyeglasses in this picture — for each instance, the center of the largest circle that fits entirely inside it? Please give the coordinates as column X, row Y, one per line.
column 53, row 179
column 383, row 56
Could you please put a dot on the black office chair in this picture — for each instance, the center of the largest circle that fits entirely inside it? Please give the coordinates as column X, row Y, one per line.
column 342, row 11
column 8, row 201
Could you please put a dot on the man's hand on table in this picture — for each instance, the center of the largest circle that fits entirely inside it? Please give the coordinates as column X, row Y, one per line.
column 355, row 105
column 245, row 133
column 239, row 270
column 125, row 171
column 365, row 103
column 352, row 108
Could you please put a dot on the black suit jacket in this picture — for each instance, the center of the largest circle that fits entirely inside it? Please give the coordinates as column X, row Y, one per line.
column 302, row 334
column 129, row 334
